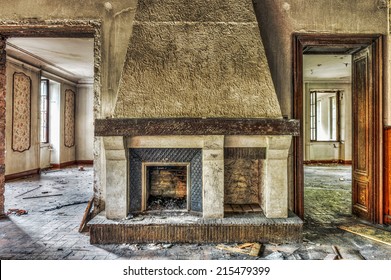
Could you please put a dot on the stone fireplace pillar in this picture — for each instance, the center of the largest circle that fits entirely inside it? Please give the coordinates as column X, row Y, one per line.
column 213, row 176
column 116, row 177
column 275, row 189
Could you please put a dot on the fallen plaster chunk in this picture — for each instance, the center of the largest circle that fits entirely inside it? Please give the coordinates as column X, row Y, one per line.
column 275, row 256
column 251, row 249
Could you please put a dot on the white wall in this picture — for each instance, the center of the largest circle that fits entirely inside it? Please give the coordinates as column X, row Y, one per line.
column 85, row 122
column 331, row 150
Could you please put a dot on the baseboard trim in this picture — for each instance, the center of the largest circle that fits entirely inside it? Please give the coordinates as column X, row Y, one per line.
column 345, row 162
column 19, row 175
column 62, row 165
column 70, row 163
column 85, row 162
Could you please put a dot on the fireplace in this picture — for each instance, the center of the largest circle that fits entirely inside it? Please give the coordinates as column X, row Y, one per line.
column 195, row 91
column 225, row 173
column 228, row 187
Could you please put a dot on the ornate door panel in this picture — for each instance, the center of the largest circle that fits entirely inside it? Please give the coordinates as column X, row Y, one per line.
column 363, row 146
column 387, row 175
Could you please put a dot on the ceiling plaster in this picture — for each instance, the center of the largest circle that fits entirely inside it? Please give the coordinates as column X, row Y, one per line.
column 73, row 58
column 327, row 67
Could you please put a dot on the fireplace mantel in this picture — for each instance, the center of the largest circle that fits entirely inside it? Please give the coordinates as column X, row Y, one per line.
column 196, row 126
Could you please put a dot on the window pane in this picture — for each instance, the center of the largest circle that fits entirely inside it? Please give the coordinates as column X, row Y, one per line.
column 326, row 116
column 44, row 111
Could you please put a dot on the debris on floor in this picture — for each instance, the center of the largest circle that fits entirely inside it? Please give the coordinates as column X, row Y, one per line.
column 28, row 191
column 87, row 215
column 50, row 229
column 331, row 257
column 17, row 212
column 337, row 253
column 251, row 249
column 40, row 196
column 275, row 256
column 81, row 168
column 369, row 232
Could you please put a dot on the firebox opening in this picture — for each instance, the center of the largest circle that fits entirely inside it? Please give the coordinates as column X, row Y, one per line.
column 166, row 187
column 244, row 173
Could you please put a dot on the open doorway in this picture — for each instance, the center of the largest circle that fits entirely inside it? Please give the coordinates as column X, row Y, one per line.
column 366, row 113
column 327, row 120
column 49, row 108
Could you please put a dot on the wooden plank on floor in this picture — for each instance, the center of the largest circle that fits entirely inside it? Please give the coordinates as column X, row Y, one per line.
column 247, row 208
column 228, row 208
column 86, row 214
column 237, row 208
column 256, row 208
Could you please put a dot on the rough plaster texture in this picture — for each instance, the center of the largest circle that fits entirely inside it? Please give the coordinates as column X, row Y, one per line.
column 200, row 60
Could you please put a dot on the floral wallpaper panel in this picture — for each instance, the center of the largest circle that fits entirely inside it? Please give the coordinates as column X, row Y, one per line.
column 21, row 113
column 69, row 119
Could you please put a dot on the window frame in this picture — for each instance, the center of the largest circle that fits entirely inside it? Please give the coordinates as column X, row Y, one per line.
column 313, row 108
column 47, row 112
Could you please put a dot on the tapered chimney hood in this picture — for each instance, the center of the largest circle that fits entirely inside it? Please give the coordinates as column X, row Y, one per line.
column 200, row 60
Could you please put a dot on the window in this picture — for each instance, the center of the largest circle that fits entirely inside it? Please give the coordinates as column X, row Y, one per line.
column 324, row 115
column 44, row 111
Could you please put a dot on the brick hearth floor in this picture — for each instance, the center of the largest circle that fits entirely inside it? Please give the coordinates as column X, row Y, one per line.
column 50, row 229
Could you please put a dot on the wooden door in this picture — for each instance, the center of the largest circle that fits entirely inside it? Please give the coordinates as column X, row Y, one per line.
column 387, row 175
column 363, row 135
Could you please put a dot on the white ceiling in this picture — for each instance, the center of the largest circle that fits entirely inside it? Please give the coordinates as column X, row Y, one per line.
column 327, row 67
column 73, row 56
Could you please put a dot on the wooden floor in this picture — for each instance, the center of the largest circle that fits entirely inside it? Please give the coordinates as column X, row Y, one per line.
column 242, row 208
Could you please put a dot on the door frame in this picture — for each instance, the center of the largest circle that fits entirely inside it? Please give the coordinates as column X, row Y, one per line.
column 60, row 28
column 300, row 42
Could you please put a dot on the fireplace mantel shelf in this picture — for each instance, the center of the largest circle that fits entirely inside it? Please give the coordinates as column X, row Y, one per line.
column 195, row 126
